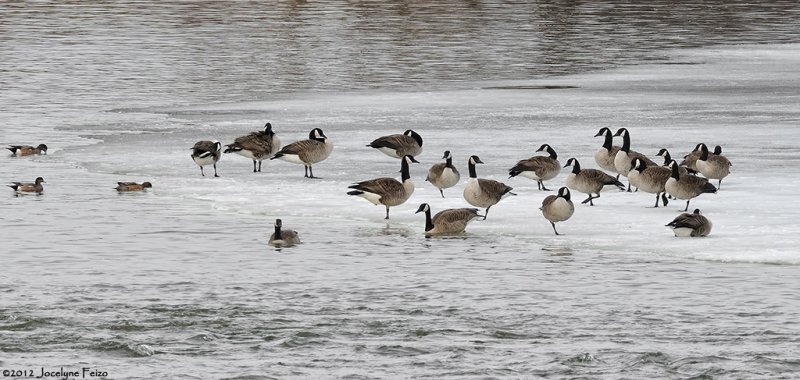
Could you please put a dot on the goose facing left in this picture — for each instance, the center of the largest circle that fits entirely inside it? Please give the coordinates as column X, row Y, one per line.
column 623, row 159
column 283, row 237
column 481, row 192
column 558, row 208
column 399, row 145
column 449, row 221
column 387, row 191
column 538, row 168
column 307, row 152
column 589, row 181
column 205, row 153
column 27, row 187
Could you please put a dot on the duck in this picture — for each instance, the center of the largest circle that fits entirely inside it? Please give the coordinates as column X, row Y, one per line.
column 604, row 157
column 690, row 225
column 387, row 191
column 622, row 161
column 558, row 208
column 650, row 179
column 714, row 166
column 444, row 175
column 307, row 152
column 27, row 150
column 589, row 181
column 409, row 143
column 256, row 145
column 205, row 153
column 538, row 168
column 481, row 192
column 29, row 188
column 686, row 186
column 283, row 237
column 448, row 221
column 132, row 186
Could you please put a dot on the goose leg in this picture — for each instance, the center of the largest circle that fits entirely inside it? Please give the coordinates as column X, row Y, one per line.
column 587, row 200
column 259, row 166
column 554, row 228
column 442, row 192
column 657, row 196
column 687, row 205
column 543, row 188
column 215, row 171
column 485, row 214
column 387, row 213
column 201, row 171
column 664, row 199
column 254, row 166
column 311, row 172
column 305, row 171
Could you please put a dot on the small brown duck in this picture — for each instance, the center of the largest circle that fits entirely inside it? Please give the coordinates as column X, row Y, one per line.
column 27, row 150
column 27, row 187
column 132, row 186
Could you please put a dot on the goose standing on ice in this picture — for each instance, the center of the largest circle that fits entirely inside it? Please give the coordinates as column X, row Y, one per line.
column 387, row 191
column 623, row 159
column 690, row 160
column 714, row 166
column 407, row 144
column 606, row 154
column 663, row 152
column 686, row 186
column 538, row 168
column 690, row 225
column 307, row 152
column 481, row 192
column 589, row 181
column 557, row 208
column 449, row 221
column 650, row 179
column 206, row 153
column 256, row 145
column 283, row 237
column 444, row 175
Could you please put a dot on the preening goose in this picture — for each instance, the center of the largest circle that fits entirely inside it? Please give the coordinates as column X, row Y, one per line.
column 407, row 144
column 690, row 225
column 206, row 153
column 27, row 150
column 663, row 152
column 606, row 154
column 686, row 186
column 690, row 160
column 307, row 152
column 132, row 186
column 650, row 179
column 283, row 237
column 256, row 145
column 29, row 188
column 449, row 221
column 589, row 181
column 538, row 168
column 481, row 192
column 444, row 175
column 714, row 166
column 623, row 159
column 558, row 208
column 387, row 191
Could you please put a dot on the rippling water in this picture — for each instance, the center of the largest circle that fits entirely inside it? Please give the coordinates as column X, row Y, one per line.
column 179, row 283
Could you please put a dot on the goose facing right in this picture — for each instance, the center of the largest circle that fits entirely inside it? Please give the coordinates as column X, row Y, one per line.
column 558, row 208
column 481, row 192
column 589, row 181
column 206, row 153
column 387, row 191
column 690, row 225
column 686, row 186
column 256, row 146
column 307, row 152
column 449, row 221
column 283, row 237
column 538, row 168
column 444, row 175
column 399, row 145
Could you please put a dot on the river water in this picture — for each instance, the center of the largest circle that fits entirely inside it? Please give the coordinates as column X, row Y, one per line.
column 178, row 282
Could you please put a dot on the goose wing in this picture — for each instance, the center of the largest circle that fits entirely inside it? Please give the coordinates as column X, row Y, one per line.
column 381, row 186
column 686, row 220
column 393, row 142
column 493, row 189
column 299, row 147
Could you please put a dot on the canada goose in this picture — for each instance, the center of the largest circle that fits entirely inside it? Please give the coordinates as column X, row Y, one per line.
column 27, row 150
column 256, row 145
column 690, row 225
column 538, row 168
column 484, row 192
column 444, row 175
column 690, row 160
column 557, row 208
column 686, row 186
column 650, row 179
column 387, row 191
column 132, row 186
column 283, row 237
column 307, row 152
column 714, row 166
column 206, row 153
column 27, row 187
column 449, row 221
column 622, row 161
column 589, row 181
column 606, row 154
column 663, row 152
column 397, row 146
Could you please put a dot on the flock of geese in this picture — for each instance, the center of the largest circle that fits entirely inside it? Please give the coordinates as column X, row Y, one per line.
column 678, row 180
